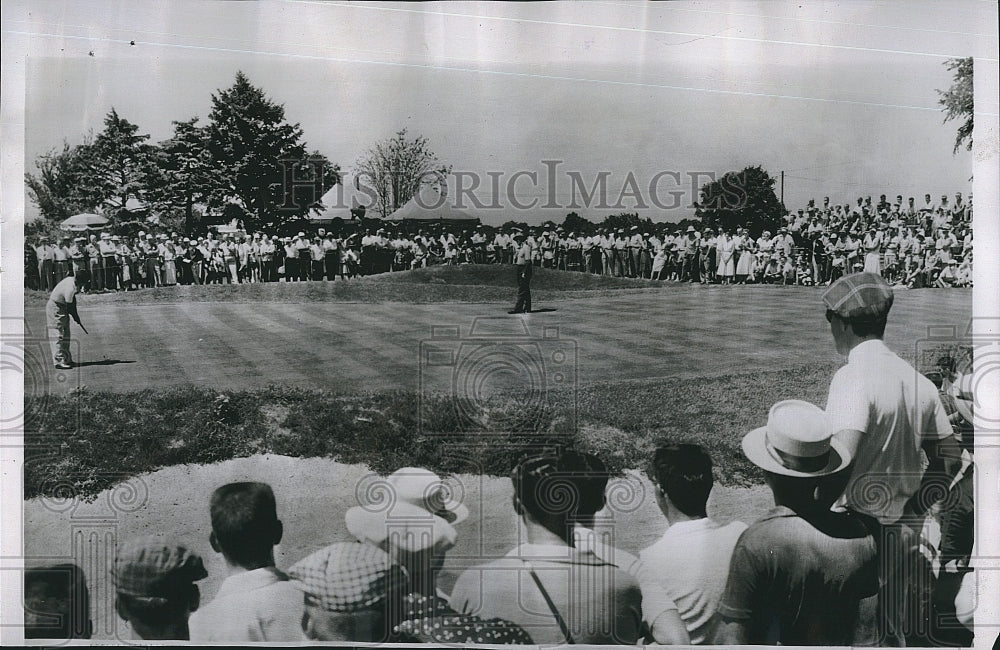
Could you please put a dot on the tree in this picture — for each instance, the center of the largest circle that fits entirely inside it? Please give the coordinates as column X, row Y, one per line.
column 182, row 175
column 745, row 198
column 575, row 223
column 957, row 101
column 262, row 165
column 395, row 168
column 120, row 163
column 625, row 221
column 63, row 187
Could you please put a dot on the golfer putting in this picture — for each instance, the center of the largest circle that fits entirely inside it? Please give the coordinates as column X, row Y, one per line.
column 62, row 305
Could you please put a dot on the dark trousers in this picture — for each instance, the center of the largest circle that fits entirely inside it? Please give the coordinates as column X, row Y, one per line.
column 305, row 265
column 291, row 269
column 110, row 273
column 96, row 274
column 45, row 273
column 267, row 272
column 523, row 288
column 594, row 264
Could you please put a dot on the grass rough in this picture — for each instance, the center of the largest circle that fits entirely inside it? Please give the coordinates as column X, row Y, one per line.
column 90, row 441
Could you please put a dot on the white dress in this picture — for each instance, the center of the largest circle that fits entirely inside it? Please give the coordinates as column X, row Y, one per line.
column 727, row 266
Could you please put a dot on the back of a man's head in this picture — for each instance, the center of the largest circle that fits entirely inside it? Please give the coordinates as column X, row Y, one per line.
column 245, row 524
column 56, row 603
column 684, row 475
column 555, row 489
column 590, row 475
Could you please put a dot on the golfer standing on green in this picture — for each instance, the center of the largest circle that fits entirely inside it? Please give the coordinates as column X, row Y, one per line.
column 522, row 260
column 62, row 305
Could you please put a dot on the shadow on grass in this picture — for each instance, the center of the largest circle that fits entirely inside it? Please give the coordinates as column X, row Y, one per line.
column 103, row 362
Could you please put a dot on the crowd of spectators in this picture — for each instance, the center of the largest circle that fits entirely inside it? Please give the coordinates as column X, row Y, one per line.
column 914, row 246
column 808, row 572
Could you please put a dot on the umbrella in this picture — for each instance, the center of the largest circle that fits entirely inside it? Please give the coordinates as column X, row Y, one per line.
column 84, row 222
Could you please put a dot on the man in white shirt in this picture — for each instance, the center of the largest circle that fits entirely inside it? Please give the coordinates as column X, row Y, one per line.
column 62, row 305
column 886, row 414
column 556, row 592
column 522, row 262
column 256, row 602
column 691, row 561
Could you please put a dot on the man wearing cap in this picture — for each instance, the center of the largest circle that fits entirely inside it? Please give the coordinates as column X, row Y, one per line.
column 798, row 575
column 151, row 261
column 109, row 262
column 351, row 592
column 885, row 413
column 60, row 259
column 45, row 252
column 77, row 260
column 155, row 590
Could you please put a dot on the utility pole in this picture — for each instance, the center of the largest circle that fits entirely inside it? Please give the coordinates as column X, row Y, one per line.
column 782, row 187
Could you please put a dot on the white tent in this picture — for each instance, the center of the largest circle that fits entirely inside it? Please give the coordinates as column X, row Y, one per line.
column 431, row 205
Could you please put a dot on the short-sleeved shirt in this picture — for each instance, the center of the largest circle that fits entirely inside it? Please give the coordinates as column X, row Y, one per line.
column 600, row 603
column 897, row 409
column 258, row 605
column 691, row 563
column 799, row 583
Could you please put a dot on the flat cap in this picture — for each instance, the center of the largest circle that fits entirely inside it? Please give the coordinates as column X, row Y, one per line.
column 152, row 568
column 859, row 296
column 348, row 576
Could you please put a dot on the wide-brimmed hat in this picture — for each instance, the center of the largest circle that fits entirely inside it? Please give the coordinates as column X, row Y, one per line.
column 690, row 229
column 419, row 516
column 797, row 441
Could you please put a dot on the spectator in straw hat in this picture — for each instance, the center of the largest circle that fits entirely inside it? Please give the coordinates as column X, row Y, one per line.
column 351, row 591
column 419, row 526
column 799, row 574
column 155, row 590
column 885, row 413
column 416, row 531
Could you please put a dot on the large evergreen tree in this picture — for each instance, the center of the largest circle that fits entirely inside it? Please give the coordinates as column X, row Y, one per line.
column 182, row 175
column 262, row 166
column 119, row 164
column 745, row 198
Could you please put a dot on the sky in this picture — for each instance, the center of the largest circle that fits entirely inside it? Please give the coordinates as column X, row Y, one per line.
column 840, row 96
